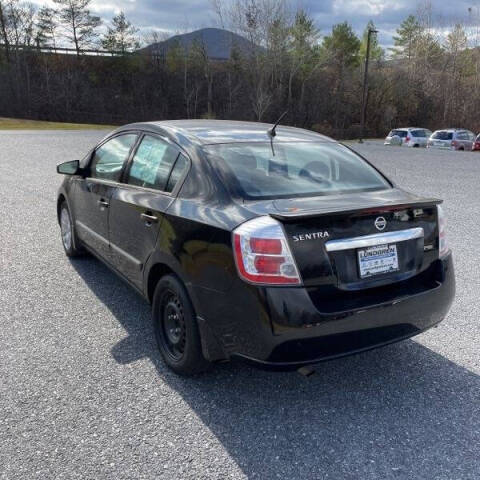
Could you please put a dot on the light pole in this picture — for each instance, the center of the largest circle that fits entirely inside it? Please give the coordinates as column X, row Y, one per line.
column 365, row 85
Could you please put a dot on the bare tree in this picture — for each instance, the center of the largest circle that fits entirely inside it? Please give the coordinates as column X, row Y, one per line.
column 18, row 22
column 4, row 29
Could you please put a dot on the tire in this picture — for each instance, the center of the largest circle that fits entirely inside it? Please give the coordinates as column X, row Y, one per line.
column 67, row 230
column 176, row 329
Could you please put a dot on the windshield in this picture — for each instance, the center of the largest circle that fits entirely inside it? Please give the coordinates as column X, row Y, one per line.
column 443, row 135
column 296, row 170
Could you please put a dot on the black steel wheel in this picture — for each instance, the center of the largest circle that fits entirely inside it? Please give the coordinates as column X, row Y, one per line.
column 173, row 324
column 176, row 329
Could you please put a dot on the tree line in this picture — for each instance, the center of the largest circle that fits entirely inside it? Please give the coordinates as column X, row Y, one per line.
column 429, row 78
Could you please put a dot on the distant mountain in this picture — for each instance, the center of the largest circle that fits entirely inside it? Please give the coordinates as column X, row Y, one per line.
column 218, row 43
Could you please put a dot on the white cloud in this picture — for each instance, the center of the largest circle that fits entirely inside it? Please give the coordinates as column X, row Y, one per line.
column 365, row 7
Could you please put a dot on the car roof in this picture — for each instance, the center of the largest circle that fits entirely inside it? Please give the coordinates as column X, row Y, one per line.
column 406, row 129
column 207, row 132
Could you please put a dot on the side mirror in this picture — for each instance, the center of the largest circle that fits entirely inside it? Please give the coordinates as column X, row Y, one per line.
column 69, row 168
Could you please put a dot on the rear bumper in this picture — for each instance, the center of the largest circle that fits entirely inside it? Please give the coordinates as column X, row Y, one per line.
column 301, row 334
column 438, row 147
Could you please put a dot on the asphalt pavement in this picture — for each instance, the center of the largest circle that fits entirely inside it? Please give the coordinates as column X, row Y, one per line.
column 84, row 394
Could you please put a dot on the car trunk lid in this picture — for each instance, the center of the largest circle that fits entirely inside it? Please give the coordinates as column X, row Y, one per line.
column 337, row 240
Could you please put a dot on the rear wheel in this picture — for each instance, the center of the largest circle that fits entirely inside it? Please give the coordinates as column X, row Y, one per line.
column 176, row 329
column 67, row 231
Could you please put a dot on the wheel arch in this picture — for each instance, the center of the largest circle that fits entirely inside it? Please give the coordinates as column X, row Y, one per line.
column 211, row 347
column 156, row 272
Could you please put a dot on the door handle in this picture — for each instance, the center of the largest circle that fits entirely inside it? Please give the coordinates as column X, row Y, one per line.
column 103, row 203
column 149, row 219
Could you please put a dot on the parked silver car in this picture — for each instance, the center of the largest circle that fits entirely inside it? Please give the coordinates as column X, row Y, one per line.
column 452, row 139
column 410, row 137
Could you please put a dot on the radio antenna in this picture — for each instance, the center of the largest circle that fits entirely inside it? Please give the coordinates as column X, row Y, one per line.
column 272, row 132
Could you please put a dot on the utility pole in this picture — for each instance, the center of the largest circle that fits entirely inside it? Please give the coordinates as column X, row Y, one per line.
column 365, row 86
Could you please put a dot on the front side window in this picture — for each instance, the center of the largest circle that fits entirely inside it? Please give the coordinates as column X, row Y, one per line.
column 109, row 159
column 152, row 163
column 293, row 169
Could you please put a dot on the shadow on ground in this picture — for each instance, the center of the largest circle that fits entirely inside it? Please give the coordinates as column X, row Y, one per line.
column 402, row 411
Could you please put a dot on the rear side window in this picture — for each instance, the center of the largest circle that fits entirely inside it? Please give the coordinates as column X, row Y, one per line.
column 178, row 170
column 442, row 135
column 152, row 163
column 109, row 159
column 293, row 169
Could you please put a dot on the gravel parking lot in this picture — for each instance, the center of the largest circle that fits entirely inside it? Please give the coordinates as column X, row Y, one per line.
column 84, row 395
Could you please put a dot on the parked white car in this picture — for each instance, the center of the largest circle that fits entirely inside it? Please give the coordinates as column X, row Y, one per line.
column 411, row 137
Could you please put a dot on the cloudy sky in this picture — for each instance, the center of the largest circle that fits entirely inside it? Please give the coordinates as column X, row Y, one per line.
column 185, row 15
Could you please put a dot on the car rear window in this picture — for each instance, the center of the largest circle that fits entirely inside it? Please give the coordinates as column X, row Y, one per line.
column 419, row 133
column 287, row 169
column 442, row 135
column 398, row 133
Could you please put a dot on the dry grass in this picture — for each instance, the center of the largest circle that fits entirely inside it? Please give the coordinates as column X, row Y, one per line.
column 21, row 124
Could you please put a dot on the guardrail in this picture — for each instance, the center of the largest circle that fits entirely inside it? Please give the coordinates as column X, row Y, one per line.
column 73, row 51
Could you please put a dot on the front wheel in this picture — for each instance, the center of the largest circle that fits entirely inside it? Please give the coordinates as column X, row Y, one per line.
column 176, row 329
column 67, row 231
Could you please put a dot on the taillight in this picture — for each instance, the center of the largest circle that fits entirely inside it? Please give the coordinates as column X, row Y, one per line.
column 262, row 253
column 407, row 139
column 454, row 143
column 442, row 238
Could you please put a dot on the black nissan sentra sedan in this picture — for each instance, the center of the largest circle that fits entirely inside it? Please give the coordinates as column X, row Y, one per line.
column 273, row 244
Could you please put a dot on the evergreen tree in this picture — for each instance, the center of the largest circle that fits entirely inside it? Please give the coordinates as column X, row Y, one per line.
column 121, row 35
column 342, row 47
column 80, row 25
column 376, row 51
column 46, row 27
column 408, row 35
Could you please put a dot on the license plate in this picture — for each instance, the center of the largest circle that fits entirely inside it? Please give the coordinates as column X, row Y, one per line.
column 378, row 259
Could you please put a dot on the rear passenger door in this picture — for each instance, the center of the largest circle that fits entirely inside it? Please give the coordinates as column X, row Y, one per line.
column 462, row 138
column 471, row 140
column 138, row 204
